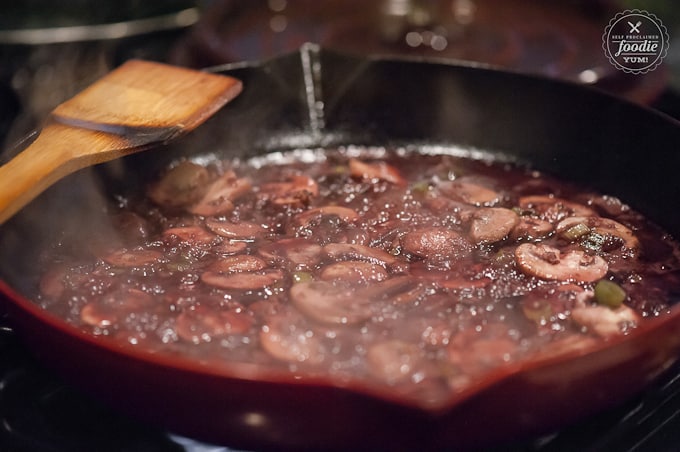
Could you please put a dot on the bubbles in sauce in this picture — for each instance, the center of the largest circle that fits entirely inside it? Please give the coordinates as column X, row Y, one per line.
column 416, row 273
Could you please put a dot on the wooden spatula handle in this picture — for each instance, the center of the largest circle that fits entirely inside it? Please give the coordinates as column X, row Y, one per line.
column 56, row 153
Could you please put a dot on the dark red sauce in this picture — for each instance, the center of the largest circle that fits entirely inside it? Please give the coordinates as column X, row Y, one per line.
column 410, row 271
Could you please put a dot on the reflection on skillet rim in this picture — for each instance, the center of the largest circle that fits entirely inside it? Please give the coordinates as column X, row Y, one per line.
column 284, row 120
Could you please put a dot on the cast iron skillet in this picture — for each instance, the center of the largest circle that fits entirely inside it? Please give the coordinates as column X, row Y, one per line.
column 319, row 98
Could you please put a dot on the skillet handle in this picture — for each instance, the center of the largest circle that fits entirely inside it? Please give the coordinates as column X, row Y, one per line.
column 6, row 329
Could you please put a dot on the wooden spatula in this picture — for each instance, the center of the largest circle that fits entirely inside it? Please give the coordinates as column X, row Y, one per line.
column 137, row 105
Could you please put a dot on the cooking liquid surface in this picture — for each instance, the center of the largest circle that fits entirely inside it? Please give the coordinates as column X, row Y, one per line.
column 414, row 273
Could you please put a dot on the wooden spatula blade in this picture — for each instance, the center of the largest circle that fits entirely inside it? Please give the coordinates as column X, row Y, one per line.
column 141, row 95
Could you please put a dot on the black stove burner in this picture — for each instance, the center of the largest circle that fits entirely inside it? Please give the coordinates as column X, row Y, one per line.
column 38, row 413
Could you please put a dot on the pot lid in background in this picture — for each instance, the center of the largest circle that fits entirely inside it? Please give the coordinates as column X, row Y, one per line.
column 561, row 40
column 36, row 22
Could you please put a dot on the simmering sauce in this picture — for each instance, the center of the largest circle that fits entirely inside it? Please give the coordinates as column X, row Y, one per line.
column 415, row 273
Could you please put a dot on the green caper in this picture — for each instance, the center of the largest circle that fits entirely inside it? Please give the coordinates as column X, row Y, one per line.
column 576, row 232
column 340, row 169
column 420, row 188
column 608, row 293
column 302, row 276
column 536, row 310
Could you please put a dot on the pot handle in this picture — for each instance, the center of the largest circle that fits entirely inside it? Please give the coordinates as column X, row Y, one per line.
column 5, row 329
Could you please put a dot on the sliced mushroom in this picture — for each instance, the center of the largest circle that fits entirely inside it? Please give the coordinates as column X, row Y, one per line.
column 462, row 283
column 531, row 228
column 98, row 315
column 299, row 251
column 284, row 337
column 189, row 234
column 399, row 290
column 130, row 226
column 358, row 272
column 344, row 214
column 243, row 230
column 203, row 324
column 480, row 347
column 603, row 320
column 349, row 251
column 610, row 205
column 299, row 189
column 238, row 263
column 230, row 247
column 546, row 262
column 52, row 283
column 327, row 223
column 114, row 307
column 375, row 171
column 441, row 205
column 434, row 243
column 554, row 209
column 394, row 361
column 492, row 224
column 181, row 185
column 243, row 281
column 388, row 288
column 326, row 302
column 603, row 226
column 263, row 308
column 132, row 258
column 220, row 195
column 469, row 193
